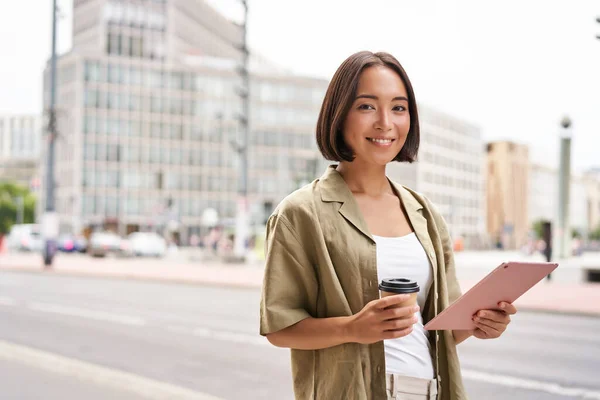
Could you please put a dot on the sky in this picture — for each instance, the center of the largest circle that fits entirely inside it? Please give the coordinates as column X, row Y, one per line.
column 513, row 68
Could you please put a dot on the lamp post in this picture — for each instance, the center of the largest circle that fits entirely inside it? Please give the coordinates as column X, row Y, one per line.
column 50, row 219
column 242, row 214
column 564, row 185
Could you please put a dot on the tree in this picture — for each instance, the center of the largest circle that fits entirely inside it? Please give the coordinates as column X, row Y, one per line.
column 9, row 192
column 538, row 228
column 595, row 234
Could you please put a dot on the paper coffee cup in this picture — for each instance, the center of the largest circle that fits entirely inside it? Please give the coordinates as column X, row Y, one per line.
column 394, row 286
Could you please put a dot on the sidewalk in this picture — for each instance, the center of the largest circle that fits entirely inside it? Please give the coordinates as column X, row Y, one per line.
column 549, row 296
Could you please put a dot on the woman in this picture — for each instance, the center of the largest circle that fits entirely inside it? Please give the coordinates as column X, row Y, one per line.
column 331, row 242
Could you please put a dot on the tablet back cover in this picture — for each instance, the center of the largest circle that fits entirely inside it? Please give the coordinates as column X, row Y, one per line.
column 507, row 283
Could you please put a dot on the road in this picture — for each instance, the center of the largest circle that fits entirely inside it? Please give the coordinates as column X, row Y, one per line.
column 73, row 337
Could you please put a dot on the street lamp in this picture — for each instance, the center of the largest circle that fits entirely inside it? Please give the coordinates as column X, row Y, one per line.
column 564, row 186
column 242, row 220
column 50, row 218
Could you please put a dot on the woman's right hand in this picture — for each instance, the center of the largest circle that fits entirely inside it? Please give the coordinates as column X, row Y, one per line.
column 377, row 321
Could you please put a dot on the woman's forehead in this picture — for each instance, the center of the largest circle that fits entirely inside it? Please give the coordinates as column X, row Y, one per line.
column 380, row 81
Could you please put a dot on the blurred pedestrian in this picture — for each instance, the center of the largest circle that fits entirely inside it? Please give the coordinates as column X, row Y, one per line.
column 331, row 242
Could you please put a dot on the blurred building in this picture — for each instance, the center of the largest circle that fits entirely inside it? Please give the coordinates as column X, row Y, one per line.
column 148, row 108
column 449, row 171
column 20, row 141
column 584, row 199
column 507, row 193
column 592, row 183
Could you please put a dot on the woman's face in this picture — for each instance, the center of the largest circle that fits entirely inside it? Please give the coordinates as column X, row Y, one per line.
column 378, row 122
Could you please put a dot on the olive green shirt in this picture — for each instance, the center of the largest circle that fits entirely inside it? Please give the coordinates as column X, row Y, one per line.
column 321, row 262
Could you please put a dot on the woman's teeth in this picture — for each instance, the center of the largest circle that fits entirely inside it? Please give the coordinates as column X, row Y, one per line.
column 380, row 140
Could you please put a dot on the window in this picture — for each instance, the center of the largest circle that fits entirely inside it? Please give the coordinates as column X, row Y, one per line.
column 155, row 154
column 112, row 178
column 89, row 124
column 91, row 71
column 112, row 206
column 102, row 98
column 88, row 205
column 91, row 98
column 124, row 128
column 135, row 76
column 135, row 128
column 133, row 154
column 155, row 130
column 114, row 72
column 175, row 156
column 113, row 153
column 214, row 158
column 176, row 132
column 100, row 152
column 89, row 152
column 165, row 155
column 155, row 104
column 135, row 46
column 124, row 101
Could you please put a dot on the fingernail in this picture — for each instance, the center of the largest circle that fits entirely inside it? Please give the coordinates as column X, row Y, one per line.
column 416, row 308
column 502, row 305
column 482, row 314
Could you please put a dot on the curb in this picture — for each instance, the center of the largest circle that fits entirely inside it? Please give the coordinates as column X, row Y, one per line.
column 134, row 277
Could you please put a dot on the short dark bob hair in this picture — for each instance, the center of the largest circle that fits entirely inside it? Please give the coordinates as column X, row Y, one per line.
column 339, row 98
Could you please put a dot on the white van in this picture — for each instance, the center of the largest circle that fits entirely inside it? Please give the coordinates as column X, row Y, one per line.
column 25, row 237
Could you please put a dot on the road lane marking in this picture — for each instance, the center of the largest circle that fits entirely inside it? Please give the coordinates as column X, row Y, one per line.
column 85, row 313
column 530, row 384
column 107, row 377
column 231, row 336
column 533, row 332
column 7, row 301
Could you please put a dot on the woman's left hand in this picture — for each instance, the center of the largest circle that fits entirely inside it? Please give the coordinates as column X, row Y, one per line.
column 490, row 324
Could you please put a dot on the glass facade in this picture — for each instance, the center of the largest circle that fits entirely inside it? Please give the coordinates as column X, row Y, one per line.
column 151, row 134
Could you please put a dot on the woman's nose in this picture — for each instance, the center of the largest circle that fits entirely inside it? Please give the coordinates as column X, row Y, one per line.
column 383, row 122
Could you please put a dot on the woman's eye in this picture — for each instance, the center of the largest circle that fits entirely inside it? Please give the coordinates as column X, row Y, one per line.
column 366, row 107
column 399, row 108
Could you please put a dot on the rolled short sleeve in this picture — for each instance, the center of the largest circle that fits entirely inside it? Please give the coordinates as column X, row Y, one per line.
column 290, row 286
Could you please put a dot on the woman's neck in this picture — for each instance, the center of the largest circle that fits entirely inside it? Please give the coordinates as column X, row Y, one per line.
column 365, row 179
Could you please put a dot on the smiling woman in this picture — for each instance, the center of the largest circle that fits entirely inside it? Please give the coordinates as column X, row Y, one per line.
column 378, row 95
column 330, row 243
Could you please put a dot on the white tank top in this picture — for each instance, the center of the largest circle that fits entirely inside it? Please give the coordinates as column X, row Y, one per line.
column 404, row 257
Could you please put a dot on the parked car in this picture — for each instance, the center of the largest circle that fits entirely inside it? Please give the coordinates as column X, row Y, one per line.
column 103, row 243
column 68, row 243
column 25, row 237
column 144, row 244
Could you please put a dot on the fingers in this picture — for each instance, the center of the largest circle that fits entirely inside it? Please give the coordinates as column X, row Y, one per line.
column 490, row 327
column 397, row 324
column 391, row 300
column 397, row 333
column 399, row 312
column 494, row 316
column 508, row 308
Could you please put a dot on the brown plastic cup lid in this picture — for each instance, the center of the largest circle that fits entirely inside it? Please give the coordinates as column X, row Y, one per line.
column 399, row 286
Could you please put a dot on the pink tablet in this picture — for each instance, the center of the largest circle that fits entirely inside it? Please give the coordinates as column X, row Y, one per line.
column 505, row 283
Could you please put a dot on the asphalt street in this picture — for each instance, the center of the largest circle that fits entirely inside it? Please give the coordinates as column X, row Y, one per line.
column 71, row 337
